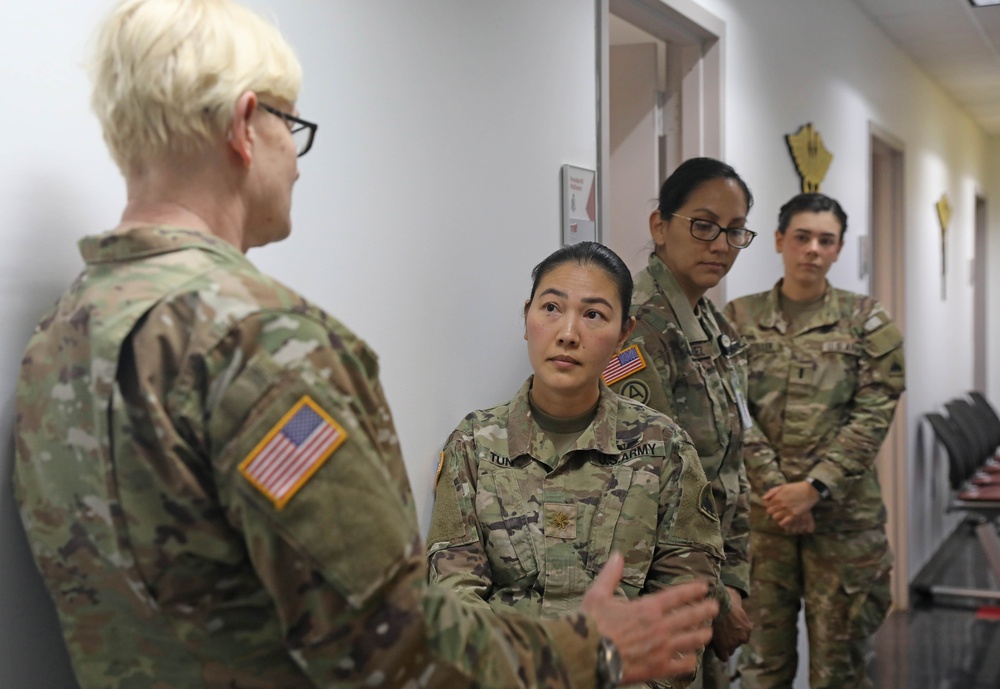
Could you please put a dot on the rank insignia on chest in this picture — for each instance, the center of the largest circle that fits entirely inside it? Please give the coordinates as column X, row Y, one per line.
column 292, row 451
column 560, row 521
column 623, row 364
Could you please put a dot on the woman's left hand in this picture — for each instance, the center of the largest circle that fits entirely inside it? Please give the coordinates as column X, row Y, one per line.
column 787, row 502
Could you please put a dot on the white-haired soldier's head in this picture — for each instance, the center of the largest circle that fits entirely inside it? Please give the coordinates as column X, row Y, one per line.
column 167, row 74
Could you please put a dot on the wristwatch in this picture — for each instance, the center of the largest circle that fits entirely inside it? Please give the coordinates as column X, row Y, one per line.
column 824, row 492
column 609, row 665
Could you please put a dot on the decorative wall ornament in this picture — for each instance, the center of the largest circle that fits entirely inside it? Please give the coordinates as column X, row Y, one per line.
column 944, row 217
column 810, row 156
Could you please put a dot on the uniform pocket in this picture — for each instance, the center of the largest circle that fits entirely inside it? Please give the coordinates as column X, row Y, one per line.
column 507, row 527
column 837, row 366
column 626, row 520
column 701, row 401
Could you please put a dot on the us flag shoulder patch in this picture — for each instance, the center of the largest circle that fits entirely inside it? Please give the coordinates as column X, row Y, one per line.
column 623, row 364
column 292, row 451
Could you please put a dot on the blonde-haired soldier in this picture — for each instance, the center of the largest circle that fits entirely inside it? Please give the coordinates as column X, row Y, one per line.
column 166, row 74
column 206, row 466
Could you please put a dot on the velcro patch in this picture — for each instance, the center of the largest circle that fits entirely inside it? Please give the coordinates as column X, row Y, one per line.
column 876, row 321
column 437, row 477
column 292, row 451
column 852, row 348
column 884, row 340
column 623, row 364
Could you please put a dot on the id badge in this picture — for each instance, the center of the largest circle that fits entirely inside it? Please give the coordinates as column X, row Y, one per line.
column 741, row 401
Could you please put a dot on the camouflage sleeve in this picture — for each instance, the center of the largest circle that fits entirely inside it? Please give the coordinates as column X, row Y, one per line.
column 689, row 540
column 650, row 383
column 336, row 546
column 455, row 555
column 736, row 568
column 881, row 380
column 761, row 461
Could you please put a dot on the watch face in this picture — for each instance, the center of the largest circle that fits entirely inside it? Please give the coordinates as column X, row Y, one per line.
column 616, row 667
column 610, row 665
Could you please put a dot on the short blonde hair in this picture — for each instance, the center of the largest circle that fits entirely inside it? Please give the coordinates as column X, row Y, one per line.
column 167, row 74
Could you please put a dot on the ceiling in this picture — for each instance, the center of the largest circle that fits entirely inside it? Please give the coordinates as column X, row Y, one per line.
column 956, row 44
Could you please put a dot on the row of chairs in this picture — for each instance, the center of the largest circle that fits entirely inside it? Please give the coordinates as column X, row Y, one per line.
column 970, row 434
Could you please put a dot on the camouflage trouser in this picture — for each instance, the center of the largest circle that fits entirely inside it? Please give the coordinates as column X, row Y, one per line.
column 714, row 673
column 843, row 578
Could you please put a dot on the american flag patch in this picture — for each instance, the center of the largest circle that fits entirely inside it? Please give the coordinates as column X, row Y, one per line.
column 623, row 364
column 292, row 451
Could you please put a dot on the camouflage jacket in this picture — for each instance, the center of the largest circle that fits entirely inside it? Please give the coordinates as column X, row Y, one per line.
column 515, row 526
column 208, row 474
column 822, row 399
column 692, row 367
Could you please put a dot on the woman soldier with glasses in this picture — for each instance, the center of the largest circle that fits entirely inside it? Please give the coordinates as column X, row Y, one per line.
column 685, row 360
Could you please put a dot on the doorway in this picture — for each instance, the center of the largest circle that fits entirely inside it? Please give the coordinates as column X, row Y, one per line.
column 660, row 102
column 887, row 241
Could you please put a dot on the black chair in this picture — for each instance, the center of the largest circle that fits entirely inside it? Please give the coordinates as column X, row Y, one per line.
column 981, row 504
column 957, row 447
column 989, row 416
column 967, row 419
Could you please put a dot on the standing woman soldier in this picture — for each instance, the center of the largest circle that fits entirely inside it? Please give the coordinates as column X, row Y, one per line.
column 685, row 360
column 826, row 371
column 534, row 495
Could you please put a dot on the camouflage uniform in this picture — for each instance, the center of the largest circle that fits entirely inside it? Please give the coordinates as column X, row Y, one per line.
column 822, row 397
column 693, row 369
column 517, row 526
column 148, row 400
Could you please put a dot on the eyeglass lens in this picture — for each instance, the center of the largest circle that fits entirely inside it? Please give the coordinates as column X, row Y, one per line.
column 706, row 230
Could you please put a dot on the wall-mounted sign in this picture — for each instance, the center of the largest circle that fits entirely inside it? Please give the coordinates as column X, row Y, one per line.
column 810, row 156
column 944, row 217
column 579, row 208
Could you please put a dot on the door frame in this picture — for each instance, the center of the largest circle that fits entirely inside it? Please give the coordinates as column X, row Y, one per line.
column 888, row 257
column 980, row 295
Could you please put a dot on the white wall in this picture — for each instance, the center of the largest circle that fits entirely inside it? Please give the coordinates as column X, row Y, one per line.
column 433, row 189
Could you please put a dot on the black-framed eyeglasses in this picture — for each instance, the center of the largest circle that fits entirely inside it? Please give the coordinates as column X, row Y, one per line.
column 707, row 231
column 303, row 132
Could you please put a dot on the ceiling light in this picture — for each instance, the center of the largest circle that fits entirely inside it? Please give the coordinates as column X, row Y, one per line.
column 983, row 3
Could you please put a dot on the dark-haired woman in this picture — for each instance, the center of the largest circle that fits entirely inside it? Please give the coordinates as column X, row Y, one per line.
column 826, row 371
column 535, row 494
column 688, row 362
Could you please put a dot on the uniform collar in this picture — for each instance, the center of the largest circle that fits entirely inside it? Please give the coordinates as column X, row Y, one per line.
column 667, row 283
column 524, row 437
column 151, row 240
column 772, row 317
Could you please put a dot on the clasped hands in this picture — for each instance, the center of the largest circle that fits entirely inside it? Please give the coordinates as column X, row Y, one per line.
column 791, row 504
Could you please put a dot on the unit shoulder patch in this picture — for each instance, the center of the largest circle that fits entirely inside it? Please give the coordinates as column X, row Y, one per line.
column 292, row 451
column 623, row 364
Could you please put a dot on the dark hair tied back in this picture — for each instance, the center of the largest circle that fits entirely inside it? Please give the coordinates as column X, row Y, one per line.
column 690, row 175
column 811, row 203
column 589, row 254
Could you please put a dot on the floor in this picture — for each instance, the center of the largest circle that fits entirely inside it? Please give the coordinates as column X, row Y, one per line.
column 944, row 642
column 941, row 642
